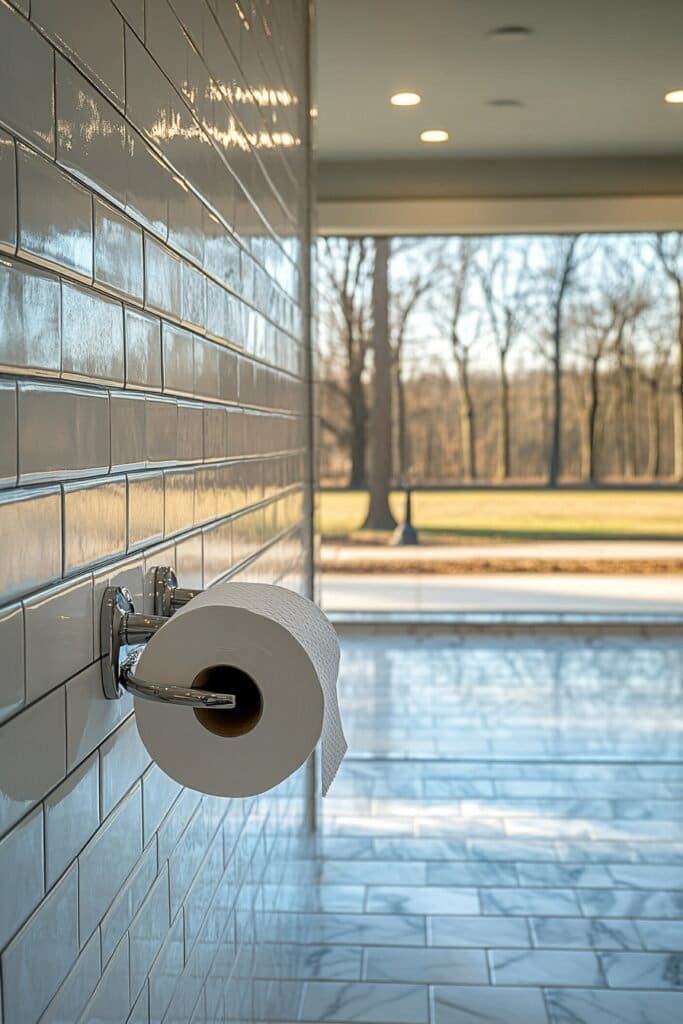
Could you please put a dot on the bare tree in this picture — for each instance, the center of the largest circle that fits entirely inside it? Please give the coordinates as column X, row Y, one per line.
column 654, row 371
column 379, row 515
column 504, row 280
column 408, row 290
column 453, row 315
column 345, row 272
column 593, row 338
column 627, row 312
column 669, row 249
column 560, row 272
column 601, row 327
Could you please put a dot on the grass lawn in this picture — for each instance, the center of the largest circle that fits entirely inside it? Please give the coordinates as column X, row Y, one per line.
column 508, row 515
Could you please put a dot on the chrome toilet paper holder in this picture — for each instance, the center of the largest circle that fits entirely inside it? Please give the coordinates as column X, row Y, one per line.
column 124, row 633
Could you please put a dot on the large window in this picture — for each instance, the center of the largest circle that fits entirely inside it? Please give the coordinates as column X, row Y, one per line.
column 514, row 359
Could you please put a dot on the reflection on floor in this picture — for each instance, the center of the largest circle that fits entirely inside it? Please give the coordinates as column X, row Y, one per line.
column 504, row 844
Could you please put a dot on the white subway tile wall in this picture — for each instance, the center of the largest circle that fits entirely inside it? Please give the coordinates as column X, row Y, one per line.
column 153, row 408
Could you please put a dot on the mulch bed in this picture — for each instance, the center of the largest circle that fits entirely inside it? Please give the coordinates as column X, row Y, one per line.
column 472, row 566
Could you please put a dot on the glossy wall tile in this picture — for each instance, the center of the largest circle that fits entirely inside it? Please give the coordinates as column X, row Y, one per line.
column 30, row 327
column 149, row 290
column 55, row 215
column 26, row 81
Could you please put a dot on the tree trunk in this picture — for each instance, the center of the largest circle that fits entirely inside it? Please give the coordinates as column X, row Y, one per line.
column 556, row 438
column 554, row 464
column 503, row 470
column 627, row 418
column 403, row 455
column 545, row 414
column 467, row 436
column 678, row 391
column 584, row 444
column 592, row 421
column 654, row 445
column 379, row 514
column 358, row 431
column 429, row 451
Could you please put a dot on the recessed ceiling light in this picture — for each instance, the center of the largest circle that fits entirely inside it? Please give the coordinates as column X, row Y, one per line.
column 505, row 103
column 511, row 33
column 675, row 96
column 405, row 99
column 434, row 135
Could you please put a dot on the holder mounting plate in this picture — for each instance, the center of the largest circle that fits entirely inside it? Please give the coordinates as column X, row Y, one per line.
column 116, row 604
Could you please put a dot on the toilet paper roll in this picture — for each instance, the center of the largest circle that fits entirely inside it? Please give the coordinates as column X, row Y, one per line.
column 279, row 654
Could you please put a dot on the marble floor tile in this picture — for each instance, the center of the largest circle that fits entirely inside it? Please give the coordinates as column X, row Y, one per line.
column 512, row 849
column 374, row 1003
column 364, row 929
column 344, row 848
column 478, row 932
column 605, row 1006
column 315, row 898
column 661, row 852
column 374, row 872
column 490, row 1005
column 413, row 899
column 439, row 789
column 468, row 828
column 411, row 789
column 630, row 903
column 480, row 873
column 627, row 807
column 643, row 970
column 448, row 966
column 544, row 967
column 561, row 875
column 419, row 849
column 598, row 852
column 332, row 963
column 647, row 876
column 661, row 935
column 359, row 825
column 584, row 933
column 553, row 902
column 266, row 1001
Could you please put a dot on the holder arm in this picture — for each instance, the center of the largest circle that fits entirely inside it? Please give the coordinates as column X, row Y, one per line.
column 169, row 693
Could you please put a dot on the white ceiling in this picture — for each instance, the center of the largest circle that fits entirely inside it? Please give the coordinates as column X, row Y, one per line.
column 591, row 77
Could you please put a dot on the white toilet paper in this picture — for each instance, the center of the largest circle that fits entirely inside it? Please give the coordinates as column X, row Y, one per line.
column 286, row 646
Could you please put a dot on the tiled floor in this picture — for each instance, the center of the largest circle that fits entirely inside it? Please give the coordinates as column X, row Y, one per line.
column 504, row 844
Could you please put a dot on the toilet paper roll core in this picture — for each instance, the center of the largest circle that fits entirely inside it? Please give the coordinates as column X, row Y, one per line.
column 248, row 700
